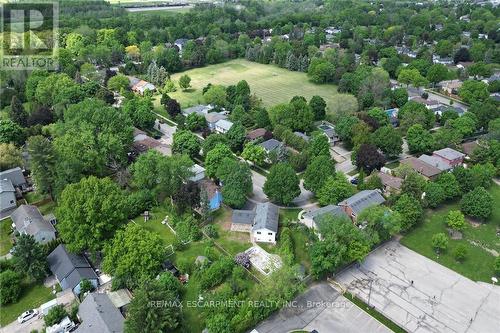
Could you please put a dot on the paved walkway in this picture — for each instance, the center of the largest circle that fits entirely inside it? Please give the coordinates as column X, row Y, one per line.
column 321, row 308
column 420, row 295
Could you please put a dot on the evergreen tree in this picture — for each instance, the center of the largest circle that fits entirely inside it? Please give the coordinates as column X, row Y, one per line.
column 17, row 113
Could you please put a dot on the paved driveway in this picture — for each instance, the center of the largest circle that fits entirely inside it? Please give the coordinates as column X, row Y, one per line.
column 321, row 308
column 167, row 131
column 438, row 300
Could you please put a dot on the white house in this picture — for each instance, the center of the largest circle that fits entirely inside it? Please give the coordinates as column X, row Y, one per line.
column 261, row 223
column 223, row 126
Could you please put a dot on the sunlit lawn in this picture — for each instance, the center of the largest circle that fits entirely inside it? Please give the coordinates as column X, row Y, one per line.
column 478, row 264
column 157, row 214
column 5, row 240
column 32, row 296
column 272, row 84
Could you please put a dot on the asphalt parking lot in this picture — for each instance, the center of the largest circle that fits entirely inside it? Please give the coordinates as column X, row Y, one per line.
column 321, row 308
column 422, row 296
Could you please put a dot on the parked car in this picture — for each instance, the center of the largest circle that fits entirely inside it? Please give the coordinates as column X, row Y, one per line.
column 354, row 181
column 27, row 315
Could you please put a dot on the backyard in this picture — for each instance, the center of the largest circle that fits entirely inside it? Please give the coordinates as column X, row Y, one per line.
column 272, row 84
column 5, row 241
column 481, row 241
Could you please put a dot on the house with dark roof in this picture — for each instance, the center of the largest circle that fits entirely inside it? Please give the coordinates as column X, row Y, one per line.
column 354, row 205
column 261, row 222
column 29, row 221
column 426, row 170
column 97, row 313
column 16, row 177
column 70, row 269
column 7, row 195
column 311, row 218
column 390, row 183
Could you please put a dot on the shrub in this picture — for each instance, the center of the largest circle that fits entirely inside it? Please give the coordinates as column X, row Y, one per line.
column 460, row 252
column 210, row 231
column 477, row 203
column 10, row 290
column 455, row 220
column 439, row 242
column 55, row 315
column 286, row 245
column 216, row 273
column 496, row 266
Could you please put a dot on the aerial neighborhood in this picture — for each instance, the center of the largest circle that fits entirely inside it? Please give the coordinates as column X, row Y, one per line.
column 250, row 166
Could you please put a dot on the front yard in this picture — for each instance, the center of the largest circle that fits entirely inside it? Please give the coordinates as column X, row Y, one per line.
column 480, row 240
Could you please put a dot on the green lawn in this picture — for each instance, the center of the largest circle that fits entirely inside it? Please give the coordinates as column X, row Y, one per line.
column 272, row 84
column 232, row 242
column 47, row 208
column 33, row 197
column 5, row 241
column 478, row 264
column 154, row 224
column 32, row 296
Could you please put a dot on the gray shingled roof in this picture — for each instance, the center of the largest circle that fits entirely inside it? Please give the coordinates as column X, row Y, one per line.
column 6, row 186
column 69, row 266
column 243, row 216
column 266, row 217
column 98, row 314
column 270, row 145
column 27, row 218
column 362, row 200
column 330, row 210
column 449, row 153
column 435, row 162
column 15, row 175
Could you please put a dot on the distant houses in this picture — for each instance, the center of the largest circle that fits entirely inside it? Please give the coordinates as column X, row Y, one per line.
column 271, row 146
column 329, row 131
column 261, row 222
column 216, row 121
column 143, row 142
column 430, row 166
column 140, row 86
column 28, row 220
column 259, row 134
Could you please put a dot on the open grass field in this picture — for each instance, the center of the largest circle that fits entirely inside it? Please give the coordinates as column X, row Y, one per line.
column 272, row 84
column 481, row 241
column 32, row 296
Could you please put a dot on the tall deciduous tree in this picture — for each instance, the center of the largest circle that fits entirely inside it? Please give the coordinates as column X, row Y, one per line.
column 318, row 107
column 215, row 157
column 335, row 189
column 237, row 179
column 134, row 255
column 89, row 212
column 317, row 172
column 186, row 142
column 282, row 184
column 389, row 140
column 369, row 158
column 477, row 203
column 419, row 139
column 410, row 209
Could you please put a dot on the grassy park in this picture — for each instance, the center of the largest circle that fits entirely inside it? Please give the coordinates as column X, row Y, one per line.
column 479, row 239
column 272, row 84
